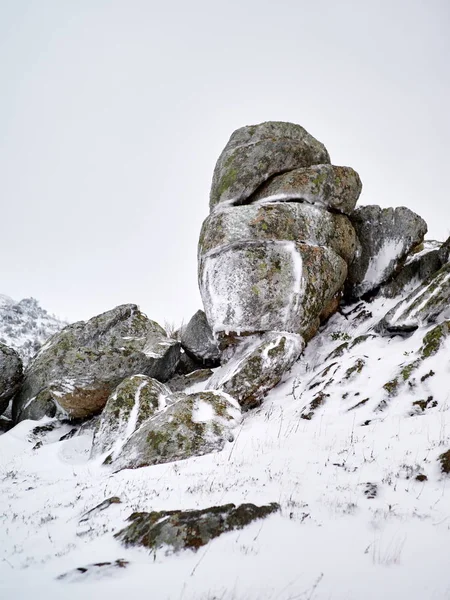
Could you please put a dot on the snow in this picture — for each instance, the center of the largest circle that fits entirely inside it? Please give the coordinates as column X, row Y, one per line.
column 202, row 412
column 331, row 539
column 389, row 252
column 131, row 424
column 25, row 326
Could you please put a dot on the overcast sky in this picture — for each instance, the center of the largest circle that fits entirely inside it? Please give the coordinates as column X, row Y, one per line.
column 113, row 114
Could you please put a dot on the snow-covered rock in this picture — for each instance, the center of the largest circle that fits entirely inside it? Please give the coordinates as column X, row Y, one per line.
column 256, row 366
column 134, row 401
column 78, row 368
column 253, row 286
column 25, row 326
column 386, row 236
column 190, row 425
column 11, row 375
column 420, row 265
column 190, row 529
column 278, row 221
column 427, row 304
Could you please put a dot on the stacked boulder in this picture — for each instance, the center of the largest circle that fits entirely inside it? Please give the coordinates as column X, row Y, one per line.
column 274, row 252
column 283, row 243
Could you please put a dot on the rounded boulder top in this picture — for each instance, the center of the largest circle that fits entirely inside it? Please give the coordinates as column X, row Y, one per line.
column 255, row 153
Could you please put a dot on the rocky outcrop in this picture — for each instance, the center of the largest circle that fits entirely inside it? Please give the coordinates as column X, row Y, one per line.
column 78, row 368
column 427, row 304
column 274, row 252
column 190, row 425
column 11, row 375
column 386, row 236
column 134, row 401
column 255, row 153
column 256, row 366
column 198, row 342
column 177, row 530
column 420, row 265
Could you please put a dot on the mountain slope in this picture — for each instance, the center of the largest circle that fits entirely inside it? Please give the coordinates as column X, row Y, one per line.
column 25, row 326
column 351, row 456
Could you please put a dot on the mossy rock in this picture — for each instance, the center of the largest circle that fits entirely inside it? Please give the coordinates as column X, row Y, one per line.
column 177, row 530
column 136, row 399
column 282, row 221
column 81, row 365
column 191, row 425
column 434, row 339
column 255, row 153
column 269, row 286
column 258, row 364
column 336, row 188
column 444, row 460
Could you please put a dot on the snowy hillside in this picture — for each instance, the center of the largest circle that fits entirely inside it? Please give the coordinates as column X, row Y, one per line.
column 348, row 445
column 25, row 326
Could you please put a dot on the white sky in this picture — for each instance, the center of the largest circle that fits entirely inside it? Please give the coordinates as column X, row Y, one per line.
column 113, row 113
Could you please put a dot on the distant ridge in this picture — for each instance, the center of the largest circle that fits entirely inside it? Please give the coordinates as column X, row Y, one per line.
column 25, row 325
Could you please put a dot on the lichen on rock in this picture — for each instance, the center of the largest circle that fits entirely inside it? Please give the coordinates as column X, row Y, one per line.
column 176, row 530
column 190, row 425
column 78, row 368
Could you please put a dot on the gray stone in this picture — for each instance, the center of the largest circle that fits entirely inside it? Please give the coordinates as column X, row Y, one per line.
column 256, row 286
column 78, row 368
column 335, row 188
column 427, row 304
column 278, row 221
column 386, row 237
column 134, row 401
column 257, row 366
column 255, row 153
column 417, row 268
column 197, row 341
column 181, row 383
column 186, row 364
column 191, row 425
column 11, row 375
column 176, row 530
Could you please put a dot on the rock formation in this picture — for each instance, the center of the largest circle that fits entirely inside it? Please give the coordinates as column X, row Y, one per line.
column 78, row 368
column 281, row 245
column 10, row 375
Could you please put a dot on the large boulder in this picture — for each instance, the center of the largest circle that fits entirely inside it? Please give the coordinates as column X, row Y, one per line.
column 278, row 221
column 198, row 342
column 11, row 375
column 190, row 425
column 176, row 530
column 269, row 286
column 386, row 236
column 428, row 303
column 134, row 401
column 257, row 365
column 255, row 153
column 78, row 368
column 335, row 188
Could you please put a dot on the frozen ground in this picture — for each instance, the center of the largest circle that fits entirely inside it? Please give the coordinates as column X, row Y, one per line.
column 355, row 523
